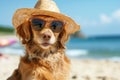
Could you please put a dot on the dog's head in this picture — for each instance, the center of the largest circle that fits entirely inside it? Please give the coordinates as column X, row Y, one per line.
column 45, row 31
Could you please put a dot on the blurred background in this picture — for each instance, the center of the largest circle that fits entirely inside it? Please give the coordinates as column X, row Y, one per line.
column 98, row 38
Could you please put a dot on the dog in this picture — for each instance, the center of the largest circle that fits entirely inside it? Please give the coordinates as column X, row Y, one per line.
column 43, row 31
column 44, row 38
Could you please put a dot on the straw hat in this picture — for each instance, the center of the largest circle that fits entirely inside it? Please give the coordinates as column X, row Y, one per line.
column 46, row 8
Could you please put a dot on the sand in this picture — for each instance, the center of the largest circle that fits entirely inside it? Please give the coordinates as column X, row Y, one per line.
column 95, row 70
column 84, row 69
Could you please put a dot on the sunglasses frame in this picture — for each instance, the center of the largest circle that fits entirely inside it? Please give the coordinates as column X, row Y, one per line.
column 63, row 24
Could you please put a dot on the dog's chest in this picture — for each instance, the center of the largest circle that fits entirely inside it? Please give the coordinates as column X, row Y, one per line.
column 47, row 72
column 56, row 71
column 51, row 68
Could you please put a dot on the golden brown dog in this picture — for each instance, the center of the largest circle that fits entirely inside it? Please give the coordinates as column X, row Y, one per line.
column 44, row 39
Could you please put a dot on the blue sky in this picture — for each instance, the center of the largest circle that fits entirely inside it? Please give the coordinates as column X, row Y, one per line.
column 96, row 17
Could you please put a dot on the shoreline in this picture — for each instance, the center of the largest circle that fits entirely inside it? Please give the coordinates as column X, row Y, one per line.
column 81, row 69
column 8, row 36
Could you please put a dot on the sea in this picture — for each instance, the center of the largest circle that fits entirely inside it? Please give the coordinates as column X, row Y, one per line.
column 87, row 48
column 97, row 48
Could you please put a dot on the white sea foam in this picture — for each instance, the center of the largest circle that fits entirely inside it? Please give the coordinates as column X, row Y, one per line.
column 115, row 58
column 76, row 52
column 11, row 51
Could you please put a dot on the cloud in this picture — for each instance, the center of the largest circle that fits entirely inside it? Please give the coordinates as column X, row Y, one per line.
column 113, row 18
column 105, row 19
column 116, row 15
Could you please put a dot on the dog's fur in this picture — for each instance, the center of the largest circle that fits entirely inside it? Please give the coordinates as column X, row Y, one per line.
column 39, row 62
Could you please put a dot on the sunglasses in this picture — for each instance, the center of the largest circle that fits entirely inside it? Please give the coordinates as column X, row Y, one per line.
column 39, row 24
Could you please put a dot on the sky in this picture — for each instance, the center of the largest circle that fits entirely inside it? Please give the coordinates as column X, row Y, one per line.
column 96, row 17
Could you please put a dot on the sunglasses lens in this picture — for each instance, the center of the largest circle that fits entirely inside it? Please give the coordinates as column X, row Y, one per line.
column 38, row 24
column 57, row 26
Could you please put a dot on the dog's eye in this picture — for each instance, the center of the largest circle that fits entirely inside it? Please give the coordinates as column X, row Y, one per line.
column 57, row 26
column 38, row 24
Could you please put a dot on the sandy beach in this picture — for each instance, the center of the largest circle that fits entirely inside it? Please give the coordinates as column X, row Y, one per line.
column 85, row 69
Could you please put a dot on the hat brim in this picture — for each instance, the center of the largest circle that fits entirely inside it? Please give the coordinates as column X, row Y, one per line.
column 24, row 14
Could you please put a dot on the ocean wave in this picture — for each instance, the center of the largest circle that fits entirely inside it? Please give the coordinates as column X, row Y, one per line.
column 115, row 58
column 76, row 52
column 12, row 51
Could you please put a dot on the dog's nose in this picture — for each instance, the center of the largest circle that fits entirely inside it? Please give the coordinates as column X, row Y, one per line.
column 46, row 36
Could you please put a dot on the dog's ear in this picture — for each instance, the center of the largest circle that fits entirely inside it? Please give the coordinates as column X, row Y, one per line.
column 72, row 28
column 24, row 32
column 63, row 37
column 65, row 34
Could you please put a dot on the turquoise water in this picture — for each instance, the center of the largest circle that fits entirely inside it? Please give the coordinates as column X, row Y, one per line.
column 96, row 48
